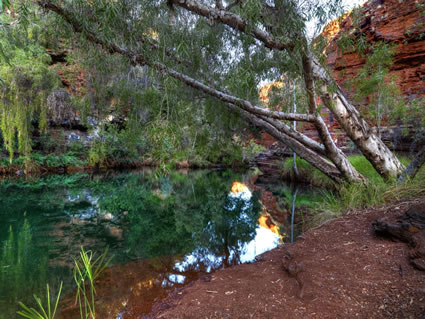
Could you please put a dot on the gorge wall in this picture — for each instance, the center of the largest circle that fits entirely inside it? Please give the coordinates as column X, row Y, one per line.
column 398, row 22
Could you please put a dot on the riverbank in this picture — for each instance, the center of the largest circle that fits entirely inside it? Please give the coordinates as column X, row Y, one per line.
column 59, row 167
column 339, row 270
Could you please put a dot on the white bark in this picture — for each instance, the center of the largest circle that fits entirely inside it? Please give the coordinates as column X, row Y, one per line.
column 332, row 151
column 294, row 127
column 359, row 131
column 236, row 22
column 317, row 160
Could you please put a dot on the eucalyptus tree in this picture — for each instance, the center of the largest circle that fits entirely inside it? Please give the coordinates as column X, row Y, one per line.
column 224, row 50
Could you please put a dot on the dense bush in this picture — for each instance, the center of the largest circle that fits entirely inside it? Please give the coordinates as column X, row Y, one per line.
column 26, row 81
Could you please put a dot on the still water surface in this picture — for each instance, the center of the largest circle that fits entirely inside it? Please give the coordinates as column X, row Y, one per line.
column 163, row 232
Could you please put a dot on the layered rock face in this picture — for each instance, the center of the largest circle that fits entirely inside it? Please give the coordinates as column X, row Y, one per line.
column 399, row 22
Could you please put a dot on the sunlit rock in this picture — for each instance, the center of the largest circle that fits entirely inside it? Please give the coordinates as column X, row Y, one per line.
column 107, row 217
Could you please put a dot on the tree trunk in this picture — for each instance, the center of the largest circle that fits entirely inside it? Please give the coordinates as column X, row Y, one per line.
column 371, row 146
column 332, row 151
column 314, row 158
column 294, row 127
column 413, row 167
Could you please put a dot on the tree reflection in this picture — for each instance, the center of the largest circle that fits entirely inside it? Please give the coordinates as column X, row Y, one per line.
column 194, row 215
column 21, row 272
column 233, row 226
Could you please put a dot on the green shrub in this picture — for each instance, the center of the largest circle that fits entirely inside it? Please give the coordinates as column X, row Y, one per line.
column 250, row 151
column 115, row 144
column 53, row 141
column 78, row 148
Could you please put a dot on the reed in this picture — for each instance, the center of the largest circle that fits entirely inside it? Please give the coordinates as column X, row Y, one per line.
column 45, row 313
column 86, row 270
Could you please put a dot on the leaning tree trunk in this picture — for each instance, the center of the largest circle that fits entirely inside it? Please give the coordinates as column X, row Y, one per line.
column 359, row 131
column 333, row 152
column 315, row 159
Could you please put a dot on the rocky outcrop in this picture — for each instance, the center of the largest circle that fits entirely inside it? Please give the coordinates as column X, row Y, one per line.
column 61, row 111
column 410, row 228
column 399, row 22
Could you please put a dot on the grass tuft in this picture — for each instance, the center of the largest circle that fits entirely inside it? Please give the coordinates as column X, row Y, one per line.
column 354, row 196
column 46, row 312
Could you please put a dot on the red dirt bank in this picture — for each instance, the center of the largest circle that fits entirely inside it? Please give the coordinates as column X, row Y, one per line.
column 345, row 269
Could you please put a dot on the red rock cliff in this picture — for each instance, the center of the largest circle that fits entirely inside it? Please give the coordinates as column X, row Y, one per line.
column 400, row 22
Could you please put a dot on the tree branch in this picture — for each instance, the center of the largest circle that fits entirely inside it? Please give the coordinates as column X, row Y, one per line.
column 227, row 98
column 140, row 59
column 301, row 138
column 234, row 21
column 314, row 158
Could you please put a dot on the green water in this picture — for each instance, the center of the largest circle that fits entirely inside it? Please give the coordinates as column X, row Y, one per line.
column 171, row 229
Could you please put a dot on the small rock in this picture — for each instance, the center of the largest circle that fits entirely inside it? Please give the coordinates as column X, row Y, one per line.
column 20, row 172
column 259, row 258
column 289, row 254
column 74, row 137
column 294, row 268
column 107, row 216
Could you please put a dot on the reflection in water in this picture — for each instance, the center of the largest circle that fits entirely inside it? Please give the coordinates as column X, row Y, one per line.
column 164, row 233
column 240, row 190
column 294, row 198
column 20, row 273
